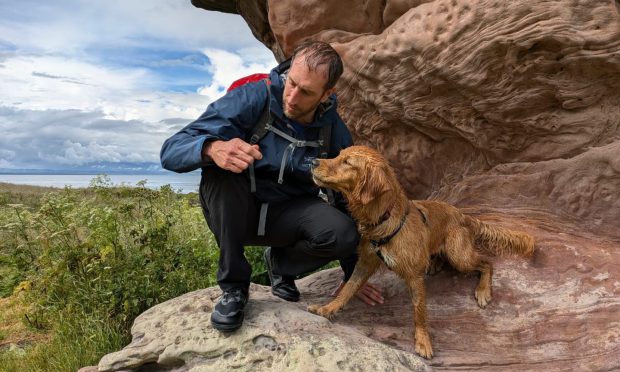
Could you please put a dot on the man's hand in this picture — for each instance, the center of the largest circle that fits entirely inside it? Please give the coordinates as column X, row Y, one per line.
column 369, row 293
column 234, row 155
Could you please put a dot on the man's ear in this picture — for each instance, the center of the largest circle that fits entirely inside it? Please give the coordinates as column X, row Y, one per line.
column 328, row 93
column 373, row 184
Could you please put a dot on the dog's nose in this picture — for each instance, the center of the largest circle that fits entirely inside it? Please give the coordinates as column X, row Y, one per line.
column 315, row 163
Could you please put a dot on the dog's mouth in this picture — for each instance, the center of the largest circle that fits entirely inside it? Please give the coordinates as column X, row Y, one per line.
column 321, row 180
column 318, row 181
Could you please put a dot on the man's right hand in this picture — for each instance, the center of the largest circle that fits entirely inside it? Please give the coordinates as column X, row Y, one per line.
column 234, row 155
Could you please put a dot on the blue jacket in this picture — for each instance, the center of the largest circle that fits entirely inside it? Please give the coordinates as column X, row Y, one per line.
column 235, row 115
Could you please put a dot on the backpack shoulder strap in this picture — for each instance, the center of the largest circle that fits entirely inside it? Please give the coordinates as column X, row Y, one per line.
column 258, row 132
column 325, row 137
column 260, row 129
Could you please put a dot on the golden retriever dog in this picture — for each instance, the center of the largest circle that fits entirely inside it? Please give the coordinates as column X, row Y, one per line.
column 403, row 234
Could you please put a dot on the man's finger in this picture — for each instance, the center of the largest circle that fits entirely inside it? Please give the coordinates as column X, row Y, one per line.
column 251, row 150
column 235, row 165
column 373, row 297
column 366, row 299
column 372, row 286
column 244, row 157
column 372, row 292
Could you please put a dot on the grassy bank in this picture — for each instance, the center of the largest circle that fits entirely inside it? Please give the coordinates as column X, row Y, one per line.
column 78, row 265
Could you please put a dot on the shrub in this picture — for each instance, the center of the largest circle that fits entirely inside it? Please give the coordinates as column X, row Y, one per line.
column 91, row 260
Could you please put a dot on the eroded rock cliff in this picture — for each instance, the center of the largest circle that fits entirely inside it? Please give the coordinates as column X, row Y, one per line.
column 476, row 102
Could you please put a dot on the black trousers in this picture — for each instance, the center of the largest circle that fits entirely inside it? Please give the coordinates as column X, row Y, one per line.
column 304, row 233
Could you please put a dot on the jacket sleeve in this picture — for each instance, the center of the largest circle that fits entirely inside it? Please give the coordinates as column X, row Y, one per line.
column 231, row 116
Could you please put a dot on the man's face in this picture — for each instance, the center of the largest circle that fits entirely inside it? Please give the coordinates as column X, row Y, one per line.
column 304, row 90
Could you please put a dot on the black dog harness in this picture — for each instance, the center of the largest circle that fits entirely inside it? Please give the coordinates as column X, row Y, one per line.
column 386, row 239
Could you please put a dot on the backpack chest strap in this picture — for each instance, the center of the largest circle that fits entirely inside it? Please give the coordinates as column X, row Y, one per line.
column 288, row 153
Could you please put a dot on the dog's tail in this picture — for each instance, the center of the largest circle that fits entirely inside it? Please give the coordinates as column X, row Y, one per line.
column 498, row 241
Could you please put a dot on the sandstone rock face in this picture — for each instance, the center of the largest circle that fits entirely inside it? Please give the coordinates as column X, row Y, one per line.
column 557, row 311
column 511, row 103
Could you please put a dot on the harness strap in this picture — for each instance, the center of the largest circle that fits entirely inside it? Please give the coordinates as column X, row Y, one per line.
column 252, row 179
column 383, row 241
column 259, row 132
column 294, row 141
column 288, row 153
column 262, row 219
column 325, row 137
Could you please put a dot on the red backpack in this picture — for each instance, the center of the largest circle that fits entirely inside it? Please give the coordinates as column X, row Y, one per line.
column 248, row 79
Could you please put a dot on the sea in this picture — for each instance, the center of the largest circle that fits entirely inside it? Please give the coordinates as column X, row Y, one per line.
column 182, row 183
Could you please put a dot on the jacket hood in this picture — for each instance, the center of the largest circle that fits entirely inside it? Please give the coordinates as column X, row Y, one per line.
column 326, row 112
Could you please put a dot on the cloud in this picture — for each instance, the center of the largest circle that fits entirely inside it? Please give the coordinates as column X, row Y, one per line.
column 121, row 93
column 85, row 82
column 63, row 138
column 42, row 74
column 226, row 67
column 73, row 26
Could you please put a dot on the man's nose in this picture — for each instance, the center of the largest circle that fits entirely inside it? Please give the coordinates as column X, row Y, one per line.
column 293, row 95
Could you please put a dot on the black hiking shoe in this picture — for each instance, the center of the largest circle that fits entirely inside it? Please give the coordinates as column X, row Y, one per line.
column 227, row 315
column 281, row 286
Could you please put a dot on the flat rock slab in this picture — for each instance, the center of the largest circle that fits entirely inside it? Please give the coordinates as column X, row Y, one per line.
column 276, row 336
column 557, row 311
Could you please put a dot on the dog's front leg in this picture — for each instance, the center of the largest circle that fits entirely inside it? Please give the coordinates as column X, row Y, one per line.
column 417, row 290
column 365, row 267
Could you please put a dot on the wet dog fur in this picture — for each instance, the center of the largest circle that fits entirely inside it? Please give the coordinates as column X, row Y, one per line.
column 378, row 203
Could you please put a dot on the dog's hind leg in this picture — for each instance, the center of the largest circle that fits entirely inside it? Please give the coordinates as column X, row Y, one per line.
column 365, row 267
column 417, row 290
column 435, row 265
column 463, row 256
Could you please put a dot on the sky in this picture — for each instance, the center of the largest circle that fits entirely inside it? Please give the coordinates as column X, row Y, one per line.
column 99, row 85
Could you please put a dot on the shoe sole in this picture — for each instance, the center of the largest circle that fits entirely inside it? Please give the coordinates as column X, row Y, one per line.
column 287, row 298
column 226, row 327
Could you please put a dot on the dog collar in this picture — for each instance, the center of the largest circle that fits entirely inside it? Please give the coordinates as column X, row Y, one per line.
column 383, row 218
column 386, row 239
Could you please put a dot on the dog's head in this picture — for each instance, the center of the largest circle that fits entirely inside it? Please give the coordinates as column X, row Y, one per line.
column 359, row 172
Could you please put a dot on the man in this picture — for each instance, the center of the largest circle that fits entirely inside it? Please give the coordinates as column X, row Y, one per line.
column 262, row 193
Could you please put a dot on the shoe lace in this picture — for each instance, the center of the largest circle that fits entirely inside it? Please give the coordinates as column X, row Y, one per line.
column 233, row 295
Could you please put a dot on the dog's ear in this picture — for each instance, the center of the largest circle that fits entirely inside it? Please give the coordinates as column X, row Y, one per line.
column 373, row 184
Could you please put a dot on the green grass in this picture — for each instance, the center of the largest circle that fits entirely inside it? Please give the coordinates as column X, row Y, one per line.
column 88, row 261
column 77, row 266
column 75, row 344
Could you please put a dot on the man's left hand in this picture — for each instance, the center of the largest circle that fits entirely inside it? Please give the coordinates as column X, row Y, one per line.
column 369, row 293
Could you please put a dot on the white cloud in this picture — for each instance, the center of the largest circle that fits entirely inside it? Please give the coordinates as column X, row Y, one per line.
column 44, row 82
column 57, row 138
column 84, row 82
column 73, row 25
column 226, row 67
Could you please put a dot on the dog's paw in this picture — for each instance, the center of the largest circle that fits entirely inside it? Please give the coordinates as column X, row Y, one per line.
column 321, row 310
column 314, row 308
column 423, row 344
column 483, row 296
